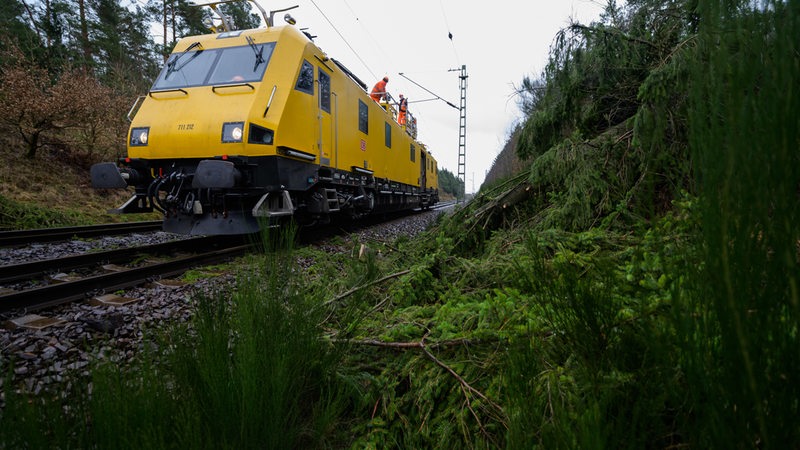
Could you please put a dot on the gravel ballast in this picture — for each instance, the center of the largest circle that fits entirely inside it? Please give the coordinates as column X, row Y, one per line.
column 51, row 358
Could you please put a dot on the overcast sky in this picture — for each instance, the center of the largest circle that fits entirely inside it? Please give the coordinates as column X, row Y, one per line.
column 499, row 43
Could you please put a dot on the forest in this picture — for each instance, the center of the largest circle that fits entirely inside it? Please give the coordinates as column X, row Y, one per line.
column 83, row 71
column 628, row 279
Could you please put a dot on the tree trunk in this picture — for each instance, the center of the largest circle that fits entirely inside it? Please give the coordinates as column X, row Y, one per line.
column 33, row 145
column 165, row 31
column 174, row 24
column 87, row 49
column 33, row 23
column 48, row 16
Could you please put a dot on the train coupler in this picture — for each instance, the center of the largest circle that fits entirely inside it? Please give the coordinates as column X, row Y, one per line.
column 274, row 204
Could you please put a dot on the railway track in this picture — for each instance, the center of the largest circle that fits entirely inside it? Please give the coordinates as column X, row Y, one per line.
column 215, row 249
column 51, row 349
column 24, row 237
column 443, row 205
column 59, row 291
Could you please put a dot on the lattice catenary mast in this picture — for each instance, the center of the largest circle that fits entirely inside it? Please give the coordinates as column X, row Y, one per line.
column 462, row 128
column 462, row 131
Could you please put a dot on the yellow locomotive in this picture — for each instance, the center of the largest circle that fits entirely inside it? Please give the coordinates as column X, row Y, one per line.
column 245, row 129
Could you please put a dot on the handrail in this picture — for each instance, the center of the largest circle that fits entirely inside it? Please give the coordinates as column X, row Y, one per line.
column 164, row 91
column 269, row 102
column 135, row 106
column 214, row 88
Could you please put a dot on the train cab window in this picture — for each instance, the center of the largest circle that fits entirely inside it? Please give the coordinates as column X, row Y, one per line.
column 324, row 91
column 413, row 153
column 185, row 69
column 199, row 67
column 241, row 64
column 363, row 117
column 305, row 80
column 388, row 135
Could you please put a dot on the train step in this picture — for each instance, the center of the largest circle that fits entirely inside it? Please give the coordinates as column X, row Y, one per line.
column 333, row 199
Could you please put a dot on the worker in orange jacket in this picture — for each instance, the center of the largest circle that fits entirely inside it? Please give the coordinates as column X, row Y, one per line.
column 403, row 107
column 379, row 90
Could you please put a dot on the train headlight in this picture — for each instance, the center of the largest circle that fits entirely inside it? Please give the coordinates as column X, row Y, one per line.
column 260, row 135
column 232, row 131
column 139, row 136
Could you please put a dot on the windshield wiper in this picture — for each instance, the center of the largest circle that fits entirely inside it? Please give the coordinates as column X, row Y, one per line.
column 171, row 65
column 257, row 50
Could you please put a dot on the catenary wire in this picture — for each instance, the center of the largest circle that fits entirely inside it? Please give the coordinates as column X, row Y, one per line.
column 449, row 33
column 375, row 42
column 343, row 39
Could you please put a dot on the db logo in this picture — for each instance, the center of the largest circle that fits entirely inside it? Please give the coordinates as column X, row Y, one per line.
column 363, row 145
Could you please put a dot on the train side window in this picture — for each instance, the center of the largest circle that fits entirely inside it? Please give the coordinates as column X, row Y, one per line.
column 388, row 135
column 413, row 153
column 305, row 80
column 324, row 91
column 363, row 117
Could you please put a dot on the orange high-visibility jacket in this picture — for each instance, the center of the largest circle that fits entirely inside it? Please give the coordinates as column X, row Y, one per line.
column 378, row 91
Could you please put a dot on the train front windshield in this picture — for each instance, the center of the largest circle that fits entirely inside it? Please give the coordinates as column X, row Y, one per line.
column 198, row 67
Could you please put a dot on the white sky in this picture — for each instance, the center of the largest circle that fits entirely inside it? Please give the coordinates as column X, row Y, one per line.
column 499, row 43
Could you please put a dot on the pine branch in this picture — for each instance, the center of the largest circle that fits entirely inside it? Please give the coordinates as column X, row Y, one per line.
column 407, row 345
column 461, row 380
column 613, row 32
column 466, row 387
column 364, row 286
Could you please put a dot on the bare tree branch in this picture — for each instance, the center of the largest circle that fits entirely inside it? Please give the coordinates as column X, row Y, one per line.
column 358, row 288
column 466, row 387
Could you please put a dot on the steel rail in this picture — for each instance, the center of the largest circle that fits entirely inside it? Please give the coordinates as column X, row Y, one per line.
column 23, row 237
column 33, row 269
column 57, row 294
column 442, row 205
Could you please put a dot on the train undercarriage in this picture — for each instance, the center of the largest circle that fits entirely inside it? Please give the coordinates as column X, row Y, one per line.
column 241, row 195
